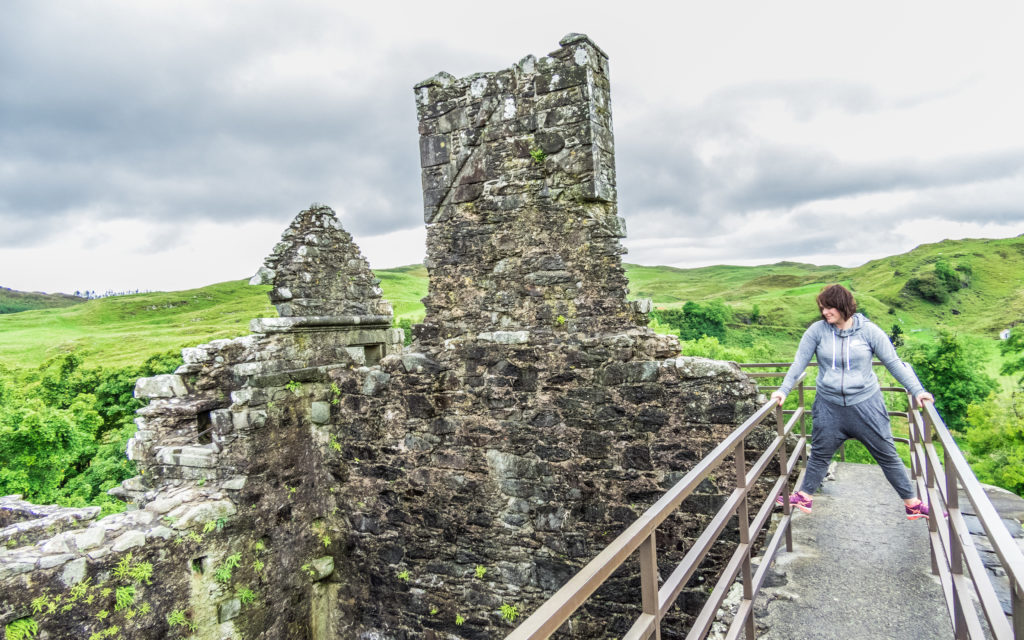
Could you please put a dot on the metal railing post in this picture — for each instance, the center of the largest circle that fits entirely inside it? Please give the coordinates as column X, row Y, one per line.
column 915, row 461
column 743, row 523
column 800, row 401
column 956, row 552
column 649, row 580
column 787, row 509
column 1017, row 604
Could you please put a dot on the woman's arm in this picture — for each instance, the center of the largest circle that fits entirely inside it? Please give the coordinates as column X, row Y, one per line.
column 903, row 372
column 804, row 352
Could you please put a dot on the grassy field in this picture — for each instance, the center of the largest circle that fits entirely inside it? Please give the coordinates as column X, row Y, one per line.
column 127, row 329
column 123, row 330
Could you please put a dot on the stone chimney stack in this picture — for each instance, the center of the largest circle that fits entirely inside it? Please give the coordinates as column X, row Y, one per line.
column 519, row 194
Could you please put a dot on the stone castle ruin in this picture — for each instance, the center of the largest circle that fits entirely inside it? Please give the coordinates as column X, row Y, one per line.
column 316, row 479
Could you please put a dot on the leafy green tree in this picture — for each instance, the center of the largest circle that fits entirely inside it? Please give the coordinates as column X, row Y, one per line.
column 928, row 287
column 953, row 372
column 64, row 427
column 947, row 276
column 38, row 444
column 1013, row 350
column 62, row 378
column 994, row 444
column 697, row 320
column 896, row 335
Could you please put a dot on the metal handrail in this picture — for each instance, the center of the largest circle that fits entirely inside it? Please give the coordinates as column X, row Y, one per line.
column 951, row 543
column 641, row 537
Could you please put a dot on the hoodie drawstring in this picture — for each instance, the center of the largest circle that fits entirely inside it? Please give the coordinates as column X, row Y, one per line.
column 834, row 352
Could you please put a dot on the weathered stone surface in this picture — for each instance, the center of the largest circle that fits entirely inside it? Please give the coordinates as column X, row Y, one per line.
column 48, row 562
column 229, row 610
column 186, row 456
column 205, row 512
column 162, row 386
column 162, row 532
column 90, row 538
column 128, row 540
column 320, row 412
column 321, row 568
column 74, row 572
column 306, row 266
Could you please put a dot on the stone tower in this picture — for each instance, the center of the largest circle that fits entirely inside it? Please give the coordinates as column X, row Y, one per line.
column 520, row 201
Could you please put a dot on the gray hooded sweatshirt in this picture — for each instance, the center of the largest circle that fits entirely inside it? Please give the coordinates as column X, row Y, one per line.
column 844, row 359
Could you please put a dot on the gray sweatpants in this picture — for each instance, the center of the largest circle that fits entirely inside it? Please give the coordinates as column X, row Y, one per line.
column 867, row 422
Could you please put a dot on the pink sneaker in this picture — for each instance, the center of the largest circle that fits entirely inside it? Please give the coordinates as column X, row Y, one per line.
column 919, row 510
column 797, row 500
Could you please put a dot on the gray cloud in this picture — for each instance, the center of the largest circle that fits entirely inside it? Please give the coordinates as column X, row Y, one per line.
column 91, row 118
column 667, row 189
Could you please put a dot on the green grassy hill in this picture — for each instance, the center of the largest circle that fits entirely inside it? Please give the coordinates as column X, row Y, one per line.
column 12, row 301
column 127, row 329
column 785, row 291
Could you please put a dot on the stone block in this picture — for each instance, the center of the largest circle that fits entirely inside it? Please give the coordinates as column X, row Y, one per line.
column 434, row 150
column 89, row 538
column 167, row 385
column 505, row 337
column 162, row 532
column 204, row 512
column 419, row 363
column 222, row 422
column 163, row 505
column 642, row 305
column 128, row 540
column 57, row 544
column 136, row 449
column 263, row 276
column 320, row 412
column 186, row 456
column 49, row 562
column 228, row 610
column 195, row 355
column 321, row 568
column 376, row 382
column 357, row 353
column 74, row 572
column 10, row 569
column 234, row 484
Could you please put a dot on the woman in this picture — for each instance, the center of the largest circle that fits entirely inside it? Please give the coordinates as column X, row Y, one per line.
column 848, row 402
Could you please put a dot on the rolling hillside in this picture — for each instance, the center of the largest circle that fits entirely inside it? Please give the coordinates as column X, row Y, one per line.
column 12, row 301
column 127, row 329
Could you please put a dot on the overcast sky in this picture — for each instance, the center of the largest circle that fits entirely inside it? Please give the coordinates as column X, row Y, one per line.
column 166, row 145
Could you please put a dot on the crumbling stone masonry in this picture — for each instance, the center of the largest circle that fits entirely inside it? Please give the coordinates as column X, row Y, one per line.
column 315, row 480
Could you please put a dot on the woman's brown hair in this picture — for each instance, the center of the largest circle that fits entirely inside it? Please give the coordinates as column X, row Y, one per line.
column 839, row 298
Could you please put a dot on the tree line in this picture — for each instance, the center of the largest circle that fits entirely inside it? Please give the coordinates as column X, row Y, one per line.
column 64, row 428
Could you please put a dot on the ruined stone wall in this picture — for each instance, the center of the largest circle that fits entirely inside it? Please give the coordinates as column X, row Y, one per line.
column 315, row 480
